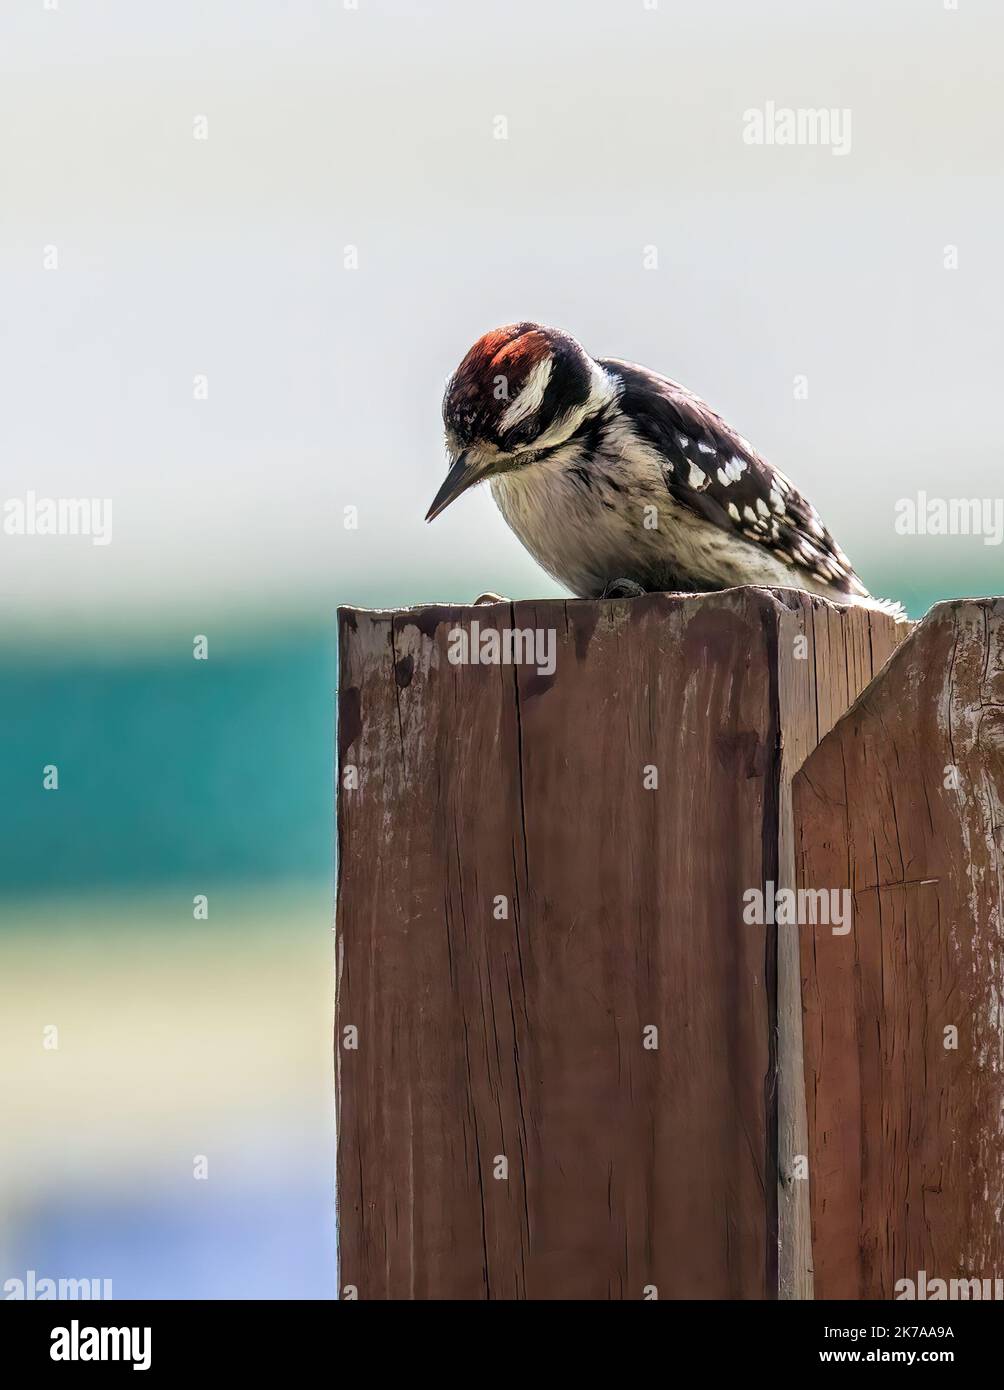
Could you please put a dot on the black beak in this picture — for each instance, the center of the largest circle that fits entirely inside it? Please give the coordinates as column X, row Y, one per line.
column 460, row 477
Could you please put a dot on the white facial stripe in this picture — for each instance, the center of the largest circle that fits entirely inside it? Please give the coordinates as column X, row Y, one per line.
column 530, row 397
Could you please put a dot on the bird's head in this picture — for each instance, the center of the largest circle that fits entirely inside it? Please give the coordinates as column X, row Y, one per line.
column 520, row 392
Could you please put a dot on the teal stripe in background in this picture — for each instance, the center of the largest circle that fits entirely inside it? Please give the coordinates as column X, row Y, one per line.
column 169, row 768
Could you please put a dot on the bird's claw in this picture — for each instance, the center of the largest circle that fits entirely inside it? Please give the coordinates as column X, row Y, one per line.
column 623, row 588
column 489, row 597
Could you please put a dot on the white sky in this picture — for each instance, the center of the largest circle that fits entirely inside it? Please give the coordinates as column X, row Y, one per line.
column 374, row 127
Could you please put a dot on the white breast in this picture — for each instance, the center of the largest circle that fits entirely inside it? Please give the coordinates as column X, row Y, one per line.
column 566, row 528
column 625, row 525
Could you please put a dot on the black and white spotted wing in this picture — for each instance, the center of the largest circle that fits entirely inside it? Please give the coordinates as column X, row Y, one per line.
column 712, row 470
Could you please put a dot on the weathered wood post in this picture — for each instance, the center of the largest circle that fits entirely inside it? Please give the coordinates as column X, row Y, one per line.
column 557, row 1040
column 903, row 806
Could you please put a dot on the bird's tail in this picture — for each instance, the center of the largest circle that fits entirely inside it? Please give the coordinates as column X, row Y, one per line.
column 890, row 606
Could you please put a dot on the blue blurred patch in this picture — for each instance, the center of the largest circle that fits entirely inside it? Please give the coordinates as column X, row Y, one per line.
column 273, row 1240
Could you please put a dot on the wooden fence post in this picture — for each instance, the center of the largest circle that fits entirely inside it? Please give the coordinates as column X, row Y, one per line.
column 903, row 805
column 557, row 1039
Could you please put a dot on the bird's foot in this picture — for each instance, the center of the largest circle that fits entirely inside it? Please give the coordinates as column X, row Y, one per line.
column 489, row 597
column 623, row 588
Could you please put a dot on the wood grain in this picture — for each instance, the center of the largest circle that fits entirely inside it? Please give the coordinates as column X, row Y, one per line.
column 906, row 1148
column 629, row 1169
column 845, row 648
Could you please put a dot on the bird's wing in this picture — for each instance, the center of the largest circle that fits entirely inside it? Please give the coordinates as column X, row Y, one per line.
column 713, row 471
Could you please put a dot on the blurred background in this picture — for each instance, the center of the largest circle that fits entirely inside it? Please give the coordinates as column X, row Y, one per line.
column 277, row 227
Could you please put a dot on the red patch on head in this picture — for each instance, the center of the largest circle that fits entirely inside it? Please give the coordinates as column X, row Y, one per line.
column 476, row 398
column 511, row 352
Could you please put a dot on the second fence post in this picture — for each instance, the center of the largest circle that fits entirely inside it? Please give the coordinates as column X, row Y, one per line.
column 901, row 808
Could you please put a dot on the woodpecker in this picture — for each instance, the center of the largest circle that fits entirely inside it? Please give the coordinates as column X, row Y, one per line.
column 620, row 481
